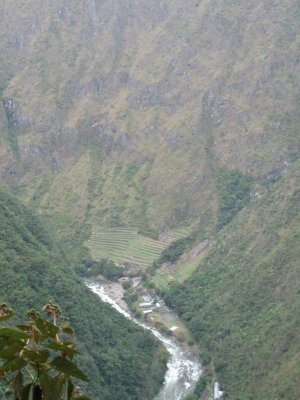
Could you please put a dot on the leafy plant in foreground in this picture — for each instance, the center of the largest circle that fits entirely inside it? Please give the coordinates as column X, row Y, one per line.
column 37, row 357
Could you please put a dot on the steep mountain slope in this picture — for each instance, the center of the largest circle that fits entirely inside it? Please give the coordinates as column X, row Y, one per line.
column 154, row 115
column 122, row 112
column 242, row 304
column 121, row 360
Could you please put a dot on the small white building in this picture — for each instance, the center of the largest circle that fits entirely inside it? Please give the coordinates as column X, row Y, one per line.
column 147, row 312
column 148, row 304
column 173, row 329
column 218, row 394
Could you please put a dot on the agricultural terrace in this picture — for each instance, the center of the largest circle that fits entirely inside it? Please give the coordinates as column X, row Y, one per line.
column 126, row 245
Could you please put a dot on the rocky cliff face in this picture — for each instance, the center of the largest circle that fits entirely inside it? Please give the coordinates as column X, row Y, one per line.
column 124, row 111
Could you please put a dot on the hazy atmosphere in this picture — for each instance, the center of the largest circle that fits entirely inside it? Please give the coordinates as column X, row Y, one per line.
column 149, row 186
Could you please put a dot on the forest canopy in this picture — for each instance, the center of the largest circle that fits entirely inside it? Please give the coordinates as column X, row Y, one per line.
column 116, row 355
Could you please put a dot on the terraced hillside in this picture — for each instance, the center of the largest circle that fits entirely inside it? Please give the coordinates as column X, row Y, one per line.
column 111, row 243
column 126, row 245
column 175, row 234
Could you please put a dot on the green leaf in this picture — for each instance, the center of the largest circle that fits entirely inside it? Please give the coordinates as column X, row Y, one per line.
column 37, row 356
column 13, row 365
column 8, row 341
column 24, row 327
column 10, row 350
column 61, row 364
column 3, row 343
column 52, row 387
column 66, row 328
column 70, row 389
column 64, row 348
column 35, row 334
column 18, row 385
column 5, row 317
column 46, row 328
column 13, row 333
column 27, row 392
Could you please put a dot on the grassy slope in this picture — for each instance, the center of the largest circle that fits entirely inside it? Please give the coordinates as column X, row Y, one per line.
column 242, row 304
column 134, row 106
column 122, row 361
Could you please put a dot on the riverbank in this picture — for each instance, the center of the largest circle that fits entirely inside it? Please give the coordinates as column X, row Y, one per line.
column 184, row 368
column 144, row 304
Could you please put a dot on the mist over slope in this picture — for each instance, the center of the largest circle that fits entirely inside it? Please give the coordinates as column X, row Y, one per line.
column 171, row 114
column 123, row 111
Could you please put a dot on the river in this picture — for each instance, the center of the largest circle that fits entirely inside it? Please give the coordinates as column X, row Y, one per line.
column 183, row 369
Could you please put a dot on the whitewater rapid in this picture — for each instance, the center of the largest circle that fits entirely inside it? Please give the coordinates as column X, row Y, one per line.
column 183, row 368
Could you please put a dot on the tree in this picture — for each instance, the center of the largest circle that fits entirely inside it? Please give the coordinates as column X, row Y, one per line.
column 36, row 357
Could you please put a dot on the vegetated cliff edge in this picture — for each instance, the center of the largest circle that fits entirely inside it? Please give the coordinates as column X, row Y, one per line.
column 121, row 360
column 123, row 112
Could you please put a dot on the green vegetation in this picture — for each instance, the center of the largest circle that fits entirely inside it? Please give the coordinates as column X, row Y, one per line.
column 176, row 249
column 234, row 194
column 37, row 358
column 111, row 128
column 106, row 268
column 161, row 317
column 162, row 279
column 120, row 359
column 242, row 304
